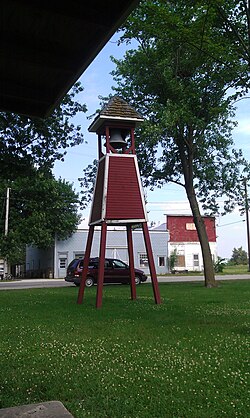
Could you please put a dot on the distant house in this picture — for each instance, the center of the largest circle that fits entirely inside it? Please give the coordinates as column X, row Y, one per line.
column 54, row 261
column 183, row 239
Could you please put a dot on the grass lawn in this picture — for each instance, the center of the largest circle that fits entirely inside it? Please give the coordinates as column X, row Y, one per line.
column 188, row 357
column 237, row 269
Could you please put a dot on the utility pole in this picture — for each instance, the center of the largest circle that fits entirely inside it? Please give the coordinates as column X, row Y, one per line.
column 6, row 225
column 247, row 222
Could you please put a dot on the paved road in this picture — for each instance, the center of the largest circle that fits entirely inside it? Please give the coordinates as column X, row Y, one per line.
column 175, row 278
column 33, row 283
column 42, row 283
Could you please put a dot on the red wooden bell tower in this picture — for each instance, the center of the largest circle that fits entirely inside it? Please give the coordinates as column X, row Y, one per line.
column 118, row 195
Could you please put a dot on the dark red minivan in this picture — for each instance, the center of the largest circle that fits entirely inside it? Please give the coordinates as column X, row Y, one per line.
column 115, row 271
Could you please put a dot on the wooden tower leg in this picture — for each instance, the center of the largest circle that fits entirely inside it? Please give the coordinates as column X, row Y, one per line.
column 131, row 262
column 151, row 263
column 85, row 264
column 101, row 265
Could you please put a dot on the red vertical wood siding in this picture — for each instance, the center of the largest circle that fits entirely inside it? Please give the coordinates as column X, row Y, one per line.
column 123, row 195
column 176, row 226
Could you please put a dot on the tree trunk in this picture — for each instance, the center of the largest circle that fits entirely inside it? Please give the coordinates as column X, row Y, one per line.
column 185, row 145
column 203, row 238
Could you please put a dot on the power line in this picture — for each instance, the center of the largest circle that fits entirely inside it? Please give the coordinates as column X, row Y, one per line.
column 231, row 223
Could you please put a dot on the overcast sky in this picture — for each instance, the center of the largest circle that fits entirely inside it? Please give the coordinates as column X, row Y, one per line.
column 231, row 229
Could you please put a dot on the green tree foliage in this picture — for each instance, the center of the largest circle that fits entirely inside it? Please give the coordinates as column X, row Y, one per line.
column 87, row 183
column 239, row 256
column 172, row 260
column 233, row 22
column 26, row 142
column 41, row 208
column 219, row 265
column 180, row 77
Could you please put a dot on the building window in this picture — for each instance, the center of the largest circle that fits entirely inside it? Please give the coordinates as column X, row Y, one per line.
column 190, row 227
column 196, row 260
column 161, row 261
column 143, row 258
column 62, row 263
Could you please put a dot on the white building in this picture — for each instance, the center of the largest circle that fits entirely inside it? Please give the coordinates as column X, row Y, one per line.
column 53, row 262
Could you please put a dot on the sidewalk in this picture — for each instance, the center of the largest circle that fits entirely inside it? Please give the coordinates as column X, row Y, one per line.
column 51, row 409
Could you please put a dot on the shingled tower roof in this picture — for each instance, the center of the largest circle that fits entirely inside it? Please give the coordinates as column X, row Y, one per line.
column 116, row 110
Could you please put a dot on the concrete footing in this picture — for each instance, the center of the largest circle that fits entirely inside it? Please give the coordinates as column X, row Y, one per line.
column 52, row 409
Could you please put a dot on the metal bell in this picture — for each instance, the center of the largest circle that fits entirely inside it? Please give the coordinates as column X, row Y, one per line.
column 116, row 139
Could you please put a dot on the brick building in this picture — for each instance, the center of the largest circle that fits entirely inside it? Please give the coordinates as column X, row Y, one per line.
column 183, row 239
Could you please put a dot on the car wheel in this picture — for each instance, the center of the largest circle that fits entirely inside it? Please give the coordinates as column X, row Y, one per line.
column 77, row 284
column 137, row 280
column 89, row 282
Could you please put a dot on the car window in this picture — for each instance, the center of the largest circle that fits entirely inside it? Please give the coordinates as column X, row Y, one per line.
column 107, row 264
column 73, row 263
column 93, row 264
column 117, row 264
